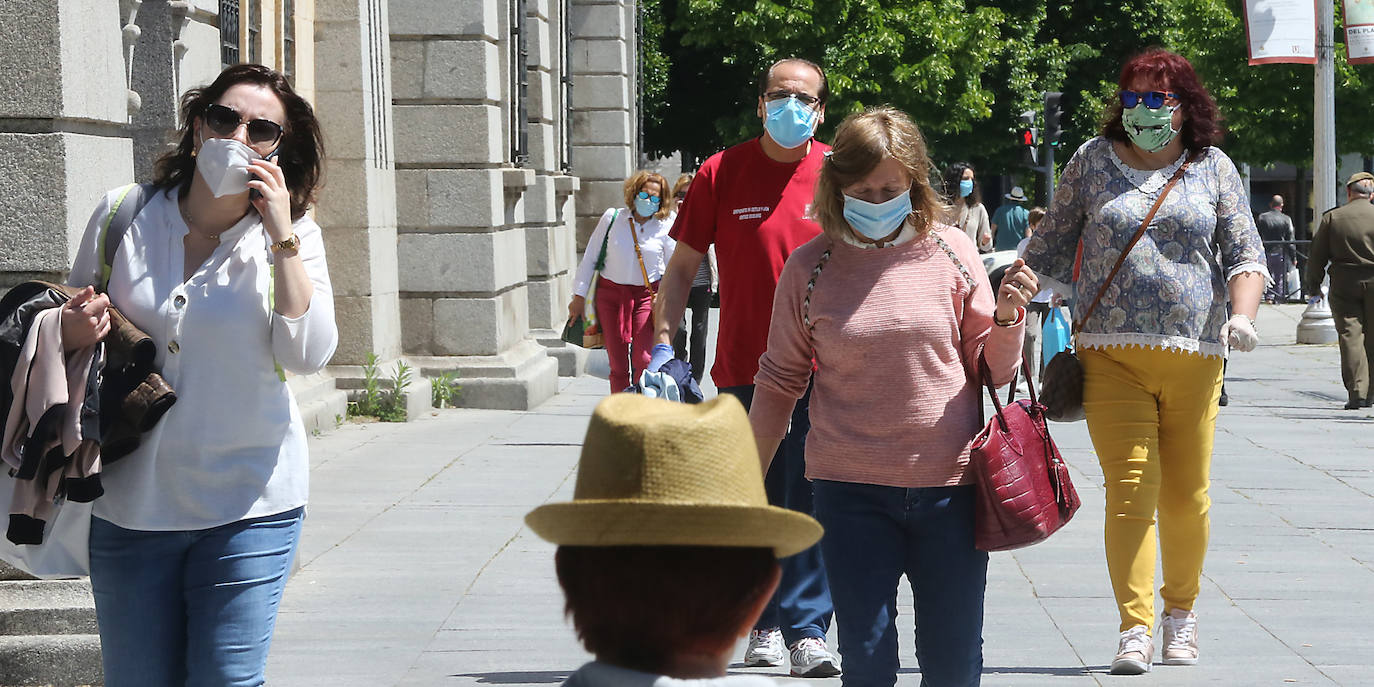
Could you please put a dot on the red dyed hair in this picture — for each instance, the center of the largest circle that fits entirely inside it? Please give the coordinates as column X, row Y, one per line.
column 1201, row 118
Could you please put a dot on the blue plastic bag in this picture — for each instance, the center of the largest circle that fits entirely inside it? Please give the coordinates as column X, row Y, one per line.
column 1055, row 335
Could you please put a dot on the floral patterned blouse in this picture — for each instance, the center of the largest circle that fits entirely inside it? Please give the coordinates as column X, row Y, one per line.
column 1171, row 290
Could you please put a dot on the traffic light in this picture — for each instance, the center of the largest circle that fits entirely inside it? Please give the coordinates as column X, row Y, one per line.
column 1029, row 138
column 1052, row 113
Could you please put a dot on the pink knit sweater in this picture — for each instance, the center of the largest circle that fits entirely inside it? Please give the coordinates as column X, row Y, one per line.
column 897, row 332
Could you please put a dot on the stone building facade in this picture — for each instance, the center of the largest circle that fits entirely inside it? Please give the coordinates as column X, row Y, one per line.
column 469, row 144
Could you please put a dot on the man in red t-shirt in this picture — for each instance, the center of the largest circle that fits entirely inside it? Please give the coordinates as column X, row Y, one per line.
column 752, row 201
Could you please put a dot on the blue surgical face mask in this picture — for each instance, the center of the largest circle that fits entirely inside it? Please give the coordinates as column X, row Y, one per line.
column 645, row 207
column 965, row 188
column 789, row 122
column 877, row 220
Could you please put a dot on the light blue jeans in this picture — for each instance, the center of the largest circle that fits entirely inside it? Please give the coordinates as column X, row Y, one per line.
column 190, row 608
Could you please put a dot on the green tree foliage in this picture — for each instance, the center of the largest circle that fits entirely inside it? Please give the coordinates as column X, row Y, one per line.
column 964, row 69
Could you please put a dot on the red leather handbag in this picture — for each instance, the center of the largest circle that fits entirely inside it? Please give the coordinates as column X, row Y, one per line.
column 1023, row 493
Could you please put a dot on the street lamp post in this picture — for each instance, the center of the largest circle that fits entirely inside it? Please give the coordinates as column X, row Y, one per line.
column 1316, row 325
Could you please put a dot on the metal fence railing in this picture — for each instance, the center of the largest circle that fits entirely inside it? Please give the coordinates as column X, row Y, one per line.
column 1287, row 290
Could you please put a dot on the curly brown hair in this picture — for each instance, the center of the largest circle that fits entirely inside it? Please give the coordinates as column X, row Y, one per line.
column 300, row 153
column 1201, row 117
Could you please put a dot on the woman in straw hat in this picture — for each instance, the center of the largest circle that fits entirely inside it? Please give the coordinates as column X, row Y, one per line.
column 892, row 309
column 668, row 552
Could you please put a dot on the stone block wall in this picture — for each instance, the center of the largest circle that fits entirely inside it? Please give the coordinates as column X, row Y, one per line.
column 604, row 105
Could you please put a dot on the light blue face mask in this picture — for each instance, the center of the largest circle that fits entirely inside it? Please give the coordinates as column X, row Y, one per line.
column 645, row 207
column 788, row 122
column 877, row 220
column 965, row 188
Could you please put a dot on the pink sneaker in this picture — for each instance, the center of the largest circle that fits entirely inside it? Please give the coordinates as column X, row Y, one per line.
column 1178, row 631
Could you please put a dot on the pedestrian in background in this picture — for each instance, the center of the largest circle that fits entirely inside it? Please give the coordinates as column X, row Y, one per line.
column 966, row 209
column 1039, row 307
column 892, row 311
column 698, row 300
column 752, row 201
column 1276, row 226
column 637, row 249
column 1010, row 220
column 664, row 575
column 1152, row 353
column 193, row 539
column 1345, row 240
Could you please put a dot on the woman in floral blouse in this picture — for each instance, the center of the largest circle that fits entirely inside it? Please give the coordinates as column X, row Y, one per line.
column 1152, row 352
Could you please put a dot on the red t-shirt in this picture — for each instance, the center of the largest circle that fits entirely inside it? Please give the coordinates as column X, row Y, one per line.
column 755, row 210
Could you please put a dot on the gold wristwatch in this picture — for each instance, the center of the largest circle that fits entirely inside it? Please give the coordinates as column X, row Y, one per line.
column 292, row 243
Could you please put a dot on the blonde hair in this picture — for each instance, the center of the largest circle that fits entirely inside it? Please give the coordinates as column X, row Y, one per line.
column 863, row 141
column 637, row 180
column 682, row 182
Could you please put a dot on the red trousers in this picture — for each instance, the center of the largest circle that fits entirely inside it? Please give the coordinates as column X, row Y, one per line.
column 627, row 322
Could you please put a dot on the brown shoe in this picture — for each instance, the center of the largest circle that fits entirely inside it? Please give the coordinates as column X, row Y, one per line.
column 1178, row 633
column 1135, row 653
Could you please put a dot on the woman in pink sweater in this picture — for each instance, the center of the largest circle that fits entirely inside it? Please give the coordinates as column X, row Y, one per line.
column 891, row 309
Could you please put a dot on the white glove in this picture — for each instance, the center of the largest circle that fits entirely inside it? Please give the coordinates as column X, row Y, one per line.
column 1239, row 333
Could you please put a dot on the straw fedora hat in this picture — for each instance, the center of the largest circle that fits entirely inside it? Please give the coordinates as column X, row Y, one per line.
column 1017, row 194
column 657, row 473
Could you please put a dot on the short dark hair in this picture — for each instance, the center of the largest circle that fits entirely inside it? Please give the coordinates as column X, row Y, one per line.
column 1202, row 119
column 635, row 606
column 823, row 94
column 300, row 154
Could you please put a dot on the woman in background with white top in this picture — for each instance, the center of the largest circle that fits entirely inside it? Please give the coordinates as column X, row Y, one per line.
column 193, row 539
column 630, row 246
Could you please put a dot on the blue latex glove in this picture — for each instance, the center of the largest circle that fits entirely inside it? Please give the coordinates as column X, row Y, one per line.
column 659, row 385
column 662, row 353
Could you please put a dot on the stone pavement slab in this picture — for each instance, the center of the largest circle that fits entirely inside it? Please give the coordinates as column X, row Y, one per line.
column 415, row 568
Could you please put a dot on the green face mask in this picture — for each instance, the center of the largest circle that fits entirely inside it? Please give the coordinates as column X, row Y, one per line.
column 1152, row 130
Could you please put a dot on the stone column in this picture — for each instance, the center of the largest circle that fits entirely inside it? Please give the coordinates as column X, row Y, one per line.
column 357, row 205
column 604, row 107
column 164, row 66
column 62, row 118
column 464, row 203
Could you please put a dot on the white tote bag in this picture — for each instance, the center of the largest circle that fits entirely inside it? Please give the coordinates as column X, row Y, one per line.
column 65, row 551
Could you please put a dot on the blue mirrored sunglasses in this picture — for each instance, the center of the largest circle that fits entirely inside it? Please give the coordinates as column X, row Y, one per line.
column 1153, row 99
column 645, row 196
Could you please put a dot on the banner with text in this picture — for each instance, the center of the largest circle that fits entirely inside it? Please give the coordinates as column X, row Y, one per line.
column 1282, row 31
column 1359, row 31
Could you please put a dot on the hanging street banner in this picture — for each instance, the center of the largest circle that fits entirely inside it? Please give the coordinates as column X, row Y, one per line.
column 1359, row 31
column 1282, row 30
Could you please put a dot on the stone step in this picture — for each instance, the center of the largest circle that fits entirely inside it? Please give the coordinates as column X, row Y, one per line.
column 51, row 661
column 46, row 607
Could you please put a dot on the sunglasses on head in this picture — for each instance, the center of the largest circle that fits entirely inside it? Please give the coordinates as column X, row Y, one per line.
column 1153, row 99
column 224, row 121
column 644, row 195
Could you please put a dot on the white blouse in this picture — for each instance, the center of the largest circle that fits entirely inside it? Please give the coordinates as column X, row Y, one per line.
column 233, row 446
column 622, row 266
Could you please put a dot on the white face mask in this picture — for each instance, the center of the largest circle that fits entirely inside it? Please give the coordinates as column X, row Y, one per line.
column 223, row 163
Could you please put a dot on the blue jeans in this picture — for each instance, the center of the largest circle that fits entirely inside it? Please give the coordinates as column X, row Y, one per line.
column 874, row 534
column 193, row 608
column 801, row 606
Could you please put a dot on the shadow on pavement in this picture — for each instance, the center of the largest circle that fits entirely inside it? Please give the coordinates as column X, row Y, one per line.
column 517, row 677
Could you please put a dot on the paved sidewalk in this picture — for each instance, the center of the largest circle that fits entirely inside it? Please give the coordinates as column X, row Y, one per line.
column 415, row 568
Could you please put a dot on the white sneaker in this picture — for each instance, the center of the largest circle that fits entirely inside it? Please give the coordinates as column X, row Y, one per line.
column 1178, row 632
column 765, row 648
column 810, row 658
column 1135, row 653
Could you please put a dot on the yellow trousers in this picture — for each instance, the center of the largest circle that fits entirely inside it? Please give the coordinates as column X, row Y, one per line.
column 1152, row 416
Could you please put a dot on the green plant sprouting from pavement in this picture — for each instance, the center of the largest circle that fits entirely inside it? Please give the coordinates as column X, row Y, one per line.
column 385, row 404
column 442, row 390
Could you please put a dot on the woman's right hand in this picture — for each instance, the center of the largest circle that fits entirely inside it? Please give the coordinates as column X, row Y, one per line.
column 85, row 319
column 576, row 308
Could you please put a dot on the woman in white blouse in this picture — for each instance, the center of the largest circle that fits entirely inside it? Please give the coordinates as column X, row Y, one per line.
column 629, row 249
column 193, row 539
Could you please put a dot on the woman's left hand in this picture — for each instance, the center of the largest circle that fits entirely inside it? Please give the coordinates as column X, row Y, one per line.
column 1019, row 285
column 274, row 203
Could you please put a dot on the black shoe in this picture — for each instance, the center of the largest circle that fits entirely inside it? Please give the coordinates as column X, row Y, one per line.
column 1354, row 404
column 1224, row 398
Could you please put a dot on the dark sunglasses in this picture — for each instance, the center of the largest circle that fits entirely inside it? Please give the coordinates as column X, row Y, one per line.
column 224, row 121
column 807, row 100
column 1153, row 100
column 644, row 195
